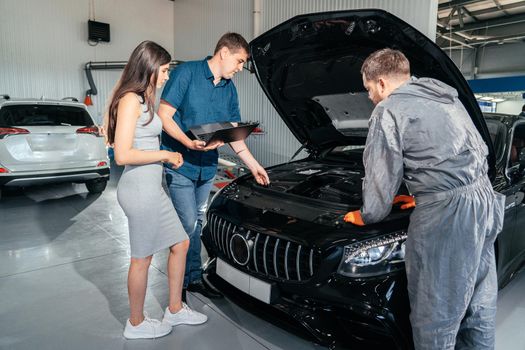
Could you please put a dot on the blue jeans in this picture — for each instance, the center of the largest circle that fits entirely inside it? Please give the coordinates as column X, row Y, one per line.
column 190, row 199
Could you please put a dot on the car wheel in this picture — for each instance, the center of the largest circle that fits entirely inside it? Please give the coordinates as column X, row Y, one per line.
column 96, row 186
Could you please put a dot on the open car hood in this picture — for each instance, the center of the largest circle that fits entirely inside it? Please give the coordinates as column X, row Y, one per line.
column 309, row 67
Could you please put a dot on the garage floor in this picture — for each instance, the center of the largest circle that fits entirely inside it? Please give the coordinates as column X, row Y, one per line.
column 63, row 268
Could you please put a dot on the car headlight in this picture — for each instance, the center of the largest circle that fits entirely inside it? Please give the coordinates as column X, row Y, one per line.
column 374, row 257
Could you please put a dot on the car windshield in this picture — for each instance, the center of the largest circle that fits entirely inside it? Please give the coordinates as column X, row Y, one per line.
column 34, row 115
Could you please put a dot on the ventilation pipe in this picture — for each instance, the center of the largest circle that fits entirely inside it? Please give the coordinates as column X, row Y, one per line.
column 257, row 4
column 106, row 66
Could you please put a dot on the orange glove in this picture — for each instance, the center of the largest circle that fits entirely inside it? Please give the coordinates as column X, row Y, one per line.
column 408, row 201
column 354, row 217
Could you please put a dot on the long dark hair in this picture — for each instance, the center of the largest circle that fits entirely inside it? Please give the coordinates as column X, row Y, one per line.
column 140, row 77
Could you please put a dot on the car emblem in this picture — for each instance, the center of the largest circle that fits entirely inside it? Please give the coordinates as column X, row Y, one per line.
column 241, row 249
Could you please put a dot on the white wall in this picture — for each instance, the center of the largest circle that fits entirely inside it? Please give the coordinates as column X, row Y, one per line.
column 200, row 23
column 43, row 44
column 510, row 107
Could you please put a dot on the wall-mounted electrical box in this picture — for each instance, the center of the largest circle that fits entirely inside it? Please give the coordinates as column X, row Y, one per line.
column 98, row 31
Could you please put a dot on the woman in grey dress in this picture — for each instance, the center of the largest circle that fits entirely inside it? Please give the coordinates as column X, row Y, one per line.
column 133, row 130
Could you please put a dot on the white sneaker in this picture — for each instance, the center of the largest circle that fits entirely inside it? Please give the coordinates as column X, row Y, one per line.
column 149, row 328
column 184, row 316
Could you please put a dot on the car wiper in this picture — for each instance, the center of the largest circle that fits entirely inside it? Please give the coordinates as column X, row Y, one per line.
column 65, row 124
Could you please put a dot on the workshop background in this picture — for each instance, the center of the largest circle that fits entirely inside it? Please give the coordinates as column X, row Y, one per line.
column 64, row 253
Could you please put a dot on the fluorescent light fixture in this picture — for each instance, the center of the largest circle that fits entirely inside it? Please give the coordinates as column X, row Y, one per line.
column 477, row 96
column 486, row 98
column 497, row 100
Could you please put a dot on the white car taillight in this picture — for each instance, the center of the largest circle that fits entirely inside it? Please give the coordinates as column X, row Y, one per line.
column 93, row 130
column 12, row 131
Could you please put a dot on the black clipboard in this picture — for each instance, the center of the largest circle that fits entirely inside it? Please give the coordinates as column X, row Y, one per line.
column 225, row 132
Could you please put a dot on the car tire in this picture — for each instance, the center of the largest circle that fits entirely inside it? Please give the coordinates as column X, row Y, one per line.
column 96, row 186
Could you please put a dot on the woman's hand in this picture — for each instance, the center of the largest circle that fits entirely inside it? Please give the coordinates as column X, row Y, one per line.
column 196, row 145
column 174, row 158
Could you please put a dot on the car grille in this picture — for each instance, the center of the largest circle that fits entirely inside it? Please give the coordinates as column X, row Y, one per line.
column 270, row 256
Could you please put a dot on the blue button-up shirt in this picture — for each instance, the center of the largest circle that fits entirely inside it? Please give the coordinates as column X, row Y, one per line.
column 197, row 101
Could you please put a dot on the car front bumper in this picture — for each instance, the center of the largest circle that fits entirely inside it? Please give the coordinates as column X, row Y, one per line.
column 338, row 312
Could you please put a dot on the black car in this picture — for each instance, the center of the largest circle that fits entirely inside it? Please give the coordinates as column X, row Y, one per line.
column 284, row 250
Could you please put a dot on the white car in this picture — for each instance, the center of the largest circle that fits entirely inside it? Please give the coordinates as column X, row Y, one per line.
column 46, row 141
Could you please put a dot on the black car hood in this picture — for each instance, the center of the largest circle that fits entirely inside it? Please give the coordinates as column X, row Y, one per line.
column 309, row 67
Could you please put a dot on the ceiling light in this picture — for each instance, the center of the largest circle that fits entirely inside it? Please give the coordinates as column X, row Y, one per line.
column 477, row 96
column 486, row 98
column 497, row 100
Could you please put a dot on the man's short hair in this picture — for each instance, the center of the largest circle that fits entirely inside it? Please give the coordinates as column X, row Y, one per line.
column 385, row 62
column 233, row 41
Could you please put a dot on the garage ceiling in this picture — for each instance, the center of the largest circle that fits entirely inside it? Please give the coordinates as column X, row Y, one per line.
column 475, row 23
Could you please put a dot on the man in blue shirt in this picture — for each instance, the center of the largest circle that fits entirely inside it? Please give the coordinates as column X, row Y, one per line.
column 201, row 92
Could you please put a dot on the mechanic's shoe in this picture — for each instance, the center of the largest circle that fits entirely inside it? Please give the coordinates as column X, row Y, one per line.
column 149, row 328
column 203, row 289
column 184, row 316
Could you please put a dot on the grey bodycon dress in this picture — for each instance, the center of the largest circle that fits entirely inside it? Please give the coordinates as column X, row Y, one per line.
column 152, row 220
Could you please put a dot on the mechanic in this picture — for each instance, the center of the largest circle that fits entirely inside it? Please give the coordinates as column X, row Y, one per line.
column 420, row 132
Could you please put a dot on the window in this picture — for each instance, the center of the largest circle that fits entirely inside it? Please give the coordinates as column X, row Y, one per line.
column 33, row 115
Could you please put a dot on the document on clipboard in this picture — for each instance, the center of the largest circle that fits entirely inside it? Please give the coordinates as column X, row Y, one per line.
column 225, row 132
